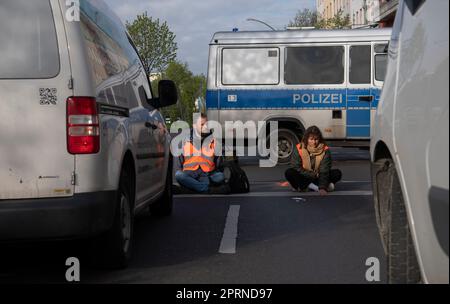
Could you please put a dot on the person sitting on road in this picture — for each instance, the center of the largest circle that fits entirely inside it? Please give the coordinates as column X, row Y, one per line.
column 198, row 165
column 311, row 165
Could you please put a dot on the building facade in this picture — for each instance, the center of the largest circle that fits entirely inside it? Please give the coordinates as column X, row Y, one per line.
column 388, row 9
column 327, row 9
column 362, row 13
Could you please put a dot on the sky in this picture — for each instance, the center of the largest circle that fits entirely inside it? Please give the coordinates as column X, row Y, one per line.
column 195, row 21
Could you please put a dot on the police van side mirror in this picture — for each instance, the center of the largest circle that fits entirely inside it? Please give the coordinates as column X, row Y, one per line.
column 167, row 92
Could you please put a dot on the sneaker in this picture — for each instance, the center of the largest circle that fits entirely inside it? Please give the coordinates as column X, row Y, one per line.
column 331, row 187
column 313, row 187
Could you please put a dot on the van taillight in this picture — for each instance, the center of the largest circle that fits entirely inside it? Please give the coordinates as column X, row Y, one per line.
column 83, row 132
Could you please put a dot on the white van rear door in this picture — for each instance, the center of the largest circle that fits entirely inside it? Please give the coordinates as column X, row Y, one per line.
column 34, row 86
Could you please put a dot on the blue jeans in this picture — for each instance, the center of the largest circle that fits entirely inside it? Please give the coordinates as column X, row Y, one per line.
column 198, row 180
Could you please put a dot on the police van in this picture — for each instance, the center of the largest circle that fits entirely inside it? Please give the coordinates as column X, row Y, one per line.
column 328, row 78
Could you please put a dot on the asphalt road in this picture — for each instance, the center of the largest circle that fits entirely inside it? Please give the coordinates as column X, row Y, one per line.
column 271, row 235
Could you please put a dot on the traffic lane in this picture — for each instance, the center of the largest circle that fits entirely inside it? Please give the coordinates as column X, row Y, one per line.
column 172, row 249
column 352, row 171
column 315, row 240
column 191, row 233
column 280, row 240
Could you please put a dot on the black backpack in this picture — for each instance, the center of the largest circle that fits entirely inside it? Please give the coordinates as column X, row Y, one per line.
column 237, row 180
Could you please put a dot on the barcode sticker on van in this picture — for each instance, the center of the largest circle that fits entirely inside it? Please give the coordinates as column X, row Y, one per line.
column 273, row 54
column 48, row 96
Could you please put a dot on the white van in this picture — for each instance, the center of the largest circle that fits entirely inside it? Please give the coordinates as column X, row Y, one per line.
column 299, row 78
column 410, row 146
column 83, row 147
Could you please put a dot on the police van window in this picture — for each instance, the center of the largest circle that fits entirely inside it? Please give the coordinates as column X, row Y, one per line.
column 28, row 43
column 359, row 64
column 314, row 65
column 381, row 58
column 251, row 66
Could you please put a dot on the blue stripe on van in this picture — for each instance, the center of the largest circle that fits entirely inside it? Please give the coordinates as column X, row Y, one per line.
column 289, row 99
column 358, row 132
column 358, row 118
column 358, row 112
column 276, row 99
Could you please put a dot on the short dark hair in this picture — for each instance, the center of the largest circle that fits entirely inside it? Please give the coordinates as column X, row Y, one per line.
column 312, row 131
column 199, row 116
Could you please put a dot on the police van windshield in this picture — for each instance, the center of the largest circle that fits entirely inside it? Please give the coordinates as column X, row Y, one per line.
column 28, row 46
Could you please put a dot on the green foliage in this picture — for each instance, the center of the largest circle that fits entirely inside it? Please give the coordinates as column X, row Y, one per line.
column 304, row 18
column 308, row 18
column 154, row 42
column 190, row 87
column 157, row 48
column 337, row 22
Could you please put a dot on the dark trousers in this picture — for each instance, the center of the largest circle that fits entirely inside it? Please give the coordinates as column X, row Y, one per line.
column 301, row 181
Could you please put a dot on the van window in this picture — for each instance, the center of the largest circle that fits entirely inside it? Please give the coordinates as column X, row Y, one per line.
column 108, row 47
column 251, row 66
column 110, row 54
column 360, row 63
column 101, row 52
column 314, row 65
column 381, row 58
column 28, row 43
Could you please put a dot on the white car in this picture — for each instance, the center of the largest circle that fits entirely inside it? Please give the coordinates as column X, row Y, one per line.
column 83, row 145
column 410, row 146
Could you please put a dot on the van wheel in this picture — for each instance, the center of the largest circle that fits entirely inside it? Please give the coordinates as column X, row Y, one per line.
column 113, row 249
column 287, row 142
column 164, row 205
column 403, row 267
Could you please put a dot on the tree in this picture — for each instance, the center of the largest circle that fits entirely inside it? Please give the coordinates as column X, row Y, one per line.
column 190, row 87
column 337, row 22
column 304, row 18
column 308, row 18
column 154, row 42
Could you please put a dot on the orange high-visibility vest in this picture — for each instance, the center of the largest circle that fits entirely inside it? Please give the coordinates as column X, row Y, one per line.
column 299, row 149
column 194, row 158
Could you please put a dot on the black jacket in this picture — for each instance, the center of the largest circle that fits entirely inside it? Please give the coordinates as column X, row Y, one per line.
column 323, row 176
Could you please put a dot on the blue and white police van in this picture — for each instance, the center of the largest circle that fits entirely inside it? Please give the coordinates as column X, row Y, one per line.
column 299, row 78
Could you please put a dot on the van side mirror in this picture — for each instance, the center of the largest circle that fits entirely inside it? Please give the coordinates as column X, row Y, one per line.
column 168, row 94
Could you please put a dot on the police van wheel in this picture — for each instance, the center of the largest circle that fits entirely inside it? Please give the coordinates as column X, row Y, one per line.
column 287, row 142
column 402, row 261
column 164, row 205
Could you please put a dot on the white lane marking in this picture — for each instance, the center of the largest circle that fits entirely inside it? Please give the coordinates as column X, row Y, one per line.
column 228, row 243
column 355, row 182
column 344, row 181
column 278, row 194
